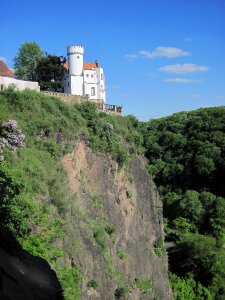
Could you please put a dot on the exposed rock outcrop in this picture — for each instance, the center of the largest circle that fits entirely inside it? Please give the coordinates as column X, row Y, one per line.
column 116, row 223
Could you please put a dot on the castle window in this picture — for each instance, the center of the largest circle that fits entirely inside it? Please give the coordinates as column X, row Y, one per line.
column 92, row 75
column 78, row 56
column 87, row 75
column 2, row 87
column 101, row 76
column 92, row 91
column 68, row 84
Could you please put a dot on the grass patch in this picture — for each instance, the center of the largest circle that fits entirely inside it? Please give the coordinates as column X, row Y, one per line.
column 98, row 203
column 159, row 248
column 144, row 285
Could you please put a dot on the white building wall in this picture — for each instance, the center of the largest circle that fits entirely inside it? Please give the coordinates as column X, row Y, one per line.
column 77, row 85
column 101, row 84
column 90, row 83
column 94, row 81
column 19, row 84
column 75, row 81
column 75, row 60
column 83, row 82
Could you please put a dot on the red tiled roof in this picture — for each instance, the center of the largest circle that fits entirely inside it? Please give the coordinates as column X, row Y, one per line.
column 5, row 71
column 89, row 66
column 86, row 66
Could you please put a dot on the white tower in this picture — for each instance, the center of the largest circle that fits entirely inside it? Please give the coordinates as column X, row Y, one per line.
column 75, row 63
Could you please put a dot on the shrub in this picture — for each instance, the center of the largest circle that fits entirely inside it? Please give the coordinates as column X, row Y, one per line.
column 129, row 194
column 159, row 248
column 121, row 254
column 70, row 278
column 110, row 229
column 144, row 285
column 92, row 284
column 121, row 292
column 97, row 202
column 99, row 236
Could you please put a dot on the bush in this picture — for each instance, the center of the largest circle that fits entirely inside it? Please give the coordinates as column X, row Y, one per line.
column 99, row 236
column 144, row 285
column 110, row 229
column 70, row 278
column 122, row 255
column 92, row 284
column 159, row 248
column 15, row 205
column 121, row 292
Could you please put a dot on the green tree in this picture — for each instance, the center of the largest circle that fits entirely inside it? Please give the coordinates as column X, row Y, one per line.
column 191, row 207
column 26, row 61
column 49, row 72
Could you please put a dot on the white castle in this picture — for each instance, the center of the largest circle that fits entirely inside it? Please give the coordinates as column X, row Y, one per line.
column 83, row 79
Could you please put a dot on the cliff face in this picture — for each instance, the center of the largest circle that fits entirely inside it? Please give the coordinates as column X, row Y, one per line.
column 114, row 228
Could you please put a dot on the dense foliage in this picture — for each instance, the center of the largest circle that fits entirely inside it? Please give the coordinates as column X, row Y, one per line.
column 49, row 72
column 26, row 61
column 34, row 198
column 186, row 158
column 32, row 63
column 186, row 155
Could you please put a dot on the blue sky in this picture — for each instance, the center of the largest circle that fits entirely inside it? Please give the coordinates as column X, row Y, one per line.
column 159, row 57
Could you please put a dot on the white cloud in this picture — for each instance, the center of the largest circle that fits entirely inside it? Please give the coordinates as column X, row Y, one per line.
column 131, row 56
column 183, row 69
column 181, row 80
column 3, row 59
column 221, row 97
column 169, row 52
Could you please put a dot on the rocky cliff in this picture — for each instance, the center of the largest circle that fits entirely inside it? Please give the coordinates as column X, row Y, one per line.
column 24, row 276
column 96, row 218
column 114, row 228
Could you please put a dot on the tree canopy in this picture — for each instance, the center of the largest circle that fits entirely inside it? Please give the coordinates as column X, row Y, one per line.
column 186, row 158
column 26, row 61
column 49, row 72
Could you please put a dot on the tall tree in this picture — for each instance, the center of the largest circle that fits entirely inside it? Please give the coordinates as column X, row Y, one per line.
column 49, row 72
column 26, row 61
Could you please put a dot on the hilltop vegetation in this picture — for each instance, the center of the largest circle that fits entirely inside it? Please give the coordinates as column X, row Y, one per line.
column 186, row 154
column 34, row 190
column 186, row 157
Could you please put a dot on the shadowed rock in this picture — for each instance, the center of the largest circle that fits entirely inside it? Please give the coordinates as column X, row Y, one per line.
column 24, row 276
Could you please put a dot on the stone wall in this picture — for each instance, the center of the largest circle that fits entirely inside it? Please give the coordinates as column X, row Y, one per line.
column 68, row 98
column 74, row 99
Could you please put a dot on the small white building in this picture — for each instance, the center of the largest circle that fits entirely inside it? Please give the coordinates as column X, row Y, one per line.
column 7, row 79
column 83, row 79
